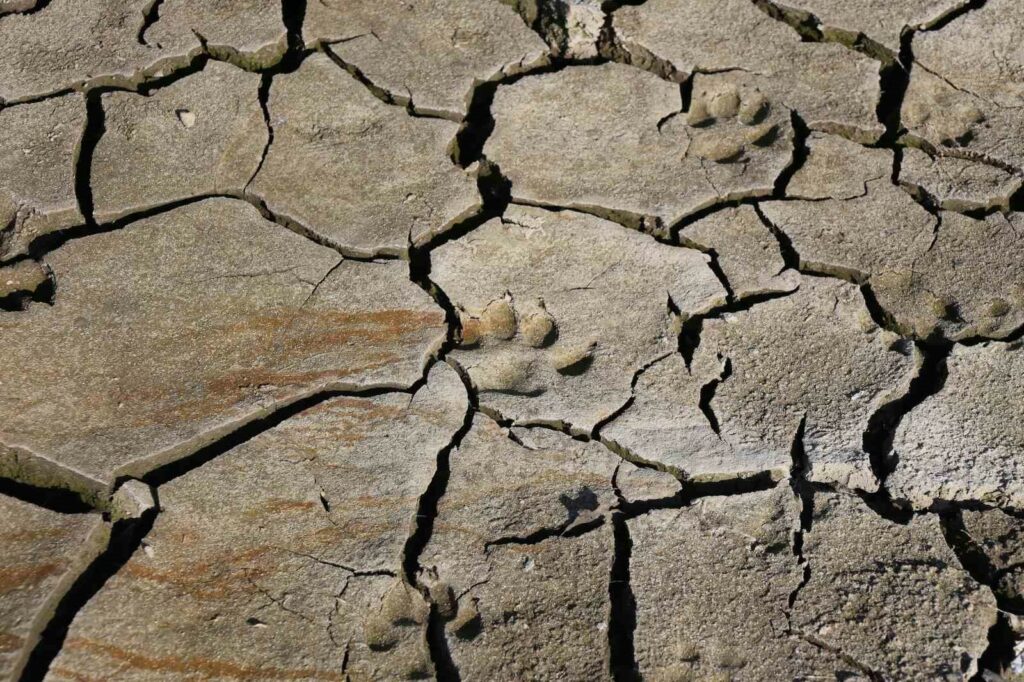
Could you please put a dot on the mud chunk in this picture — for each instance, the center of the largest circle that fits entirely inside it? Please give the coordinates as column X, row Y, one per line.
column 201, row 135
column 860, row 224
column 873, row 581
column 67, row 42
column 324, row 118
column 180, row 327
column 967, row 84
column 957, row 184
column 248, row 32
column 1000, row 537
column 44, row 552
column 833, row 88
column 813, row 355
column 606, row 139
column 964, row 443
column 747, row 252
column 428, row 53
column 965, row 286
column 712, row 584
column 248, row 537
column 496, row 543
column 608, row 302
column 37, row 170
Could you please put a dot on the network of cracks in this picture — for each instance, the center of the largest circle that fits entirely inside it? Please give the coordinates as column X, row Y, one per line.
column 495, row 340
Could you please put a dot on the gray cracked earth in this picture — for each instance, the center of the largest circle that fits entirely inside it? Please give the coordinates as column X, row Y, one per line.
column 664, row 340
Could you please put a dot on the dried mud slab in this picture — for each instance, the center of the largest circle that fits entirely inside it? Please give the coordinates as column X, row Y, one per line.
column 429, row 54
column 967, row 85
column 880, row 20
column 957, row 184
column 815, row 355
column 999, row 536
column 873, row 582
column 280, row 556
column 68, row 44
column 177, row 329
column 712, row 584
column 855, row 222
column 965, row 286
column 248, row 32
column 832, row 88
column 966, row 442
column 44, row 551
column 202, row 135
column 746, row 249
column 37, row 170
column 505, row 578
column 364, row 175
column 554, row 333
column 719, row 592
column 612, row 140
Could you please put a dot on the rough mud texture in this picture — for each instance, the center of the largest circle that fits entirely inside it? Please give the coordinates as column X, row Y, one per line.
column 37, row 170
column 44, row 551
column 473, row 340
column 333, row 140
column 831, row 87
column 555, row 334
column 612, row 140
column 426, row 53
column 202, row 135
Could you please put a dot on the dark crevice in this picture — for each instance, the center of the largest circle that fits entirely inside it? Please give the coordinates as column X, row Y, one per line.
column 804, row 492
column 94, row 128
column 59, row 500
column 622, row 612
column 150, row 15
column 423, row 530
column 707, row 394
column 790, row 257
column 954, row 14
column 738, row 484
column 1000, row 652
column 976, row 562
column 568, row 529
column 893, row 80
column 293, row 14
column 445, row 669
column 126, row 537
column 689, row 336
column 249, row 430
column 801, row 150
column 878, row 437
column 263, row 95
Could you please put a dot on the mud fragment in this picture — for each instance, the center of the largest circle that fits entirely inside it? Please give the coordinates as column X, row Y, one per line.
column 180, row 327
column 383, row 178
column 608, row 306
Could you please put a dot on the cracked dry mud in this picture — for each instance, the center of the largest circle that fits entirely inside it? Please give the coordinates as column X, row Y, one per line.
column 663, row 340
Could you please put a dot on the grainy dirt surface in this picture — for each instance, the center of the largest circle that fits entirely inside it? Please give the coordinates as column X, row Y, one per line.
column 498, row 340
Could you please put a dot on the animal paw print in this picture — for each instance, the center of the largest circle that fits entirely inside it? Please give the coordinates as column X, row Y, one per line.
column 520, row 347
column 943, row 115
column 727, row 121
column 396, row 627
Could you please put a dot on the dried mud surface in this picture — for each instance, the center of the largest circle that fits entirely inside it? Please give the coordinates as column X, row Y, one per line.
column 661, row 340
